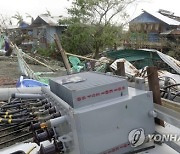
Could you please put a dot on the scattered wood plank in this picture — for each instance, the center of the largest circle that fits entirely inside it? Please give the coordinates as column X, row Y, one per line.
column 86, row 58
column 171, row 104
column 31, row 58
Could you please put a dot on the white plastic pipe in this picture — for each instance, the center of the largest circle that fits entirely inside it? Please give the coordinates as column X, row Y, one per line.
column 32, row 96
column 5, row 93
column 57, row 121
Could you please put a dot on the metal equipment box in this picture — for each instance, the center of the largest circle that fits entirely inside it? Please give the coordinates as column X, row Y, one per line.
column 104, row 128
column 102, row 112
column 88, row 88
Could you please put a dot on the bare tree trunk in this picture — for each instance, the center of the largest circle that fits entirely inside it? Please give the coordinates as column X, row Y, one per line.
column 96, row 53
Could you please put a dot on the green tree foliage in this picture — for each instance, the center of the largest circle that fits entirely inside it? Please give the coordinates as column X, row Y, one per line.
column 174, row 47
column 50, row 51
column 92, row 26
column 78, row 38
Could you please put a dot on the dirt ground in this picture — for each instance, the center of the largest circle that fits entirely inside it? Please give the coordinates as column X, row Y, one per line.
column 10, row 72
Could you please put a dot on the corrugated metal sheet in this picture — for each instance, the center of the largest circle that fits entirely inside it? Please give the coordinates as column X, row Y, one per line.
column 165, row 19
column 174, row 78
column 166, row 32
column 130, row 70
column 173, row 63
column 52, row 21
column 47, row 20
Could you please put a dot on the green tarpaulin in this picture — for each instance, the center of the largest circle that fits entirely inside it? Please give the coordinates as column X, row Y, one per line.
column 139, row 58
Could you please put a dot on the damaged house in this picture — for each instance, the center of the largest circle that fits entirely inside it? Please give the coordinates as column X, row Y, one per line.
column 44, row 27
column 154, row 25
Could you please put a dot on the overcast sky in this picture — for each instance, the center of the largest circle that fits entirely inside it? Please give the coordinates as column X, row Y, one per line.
column 58, row 7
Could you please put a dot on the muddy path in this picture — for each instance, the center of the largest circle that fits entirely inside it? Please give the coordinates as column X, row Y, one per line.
column 10, row 72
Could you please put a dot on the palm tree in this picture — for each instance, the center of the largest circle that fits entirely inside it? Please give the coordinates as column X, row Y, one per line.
column 48, row 12
column 29, row 16
column 18, row 17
